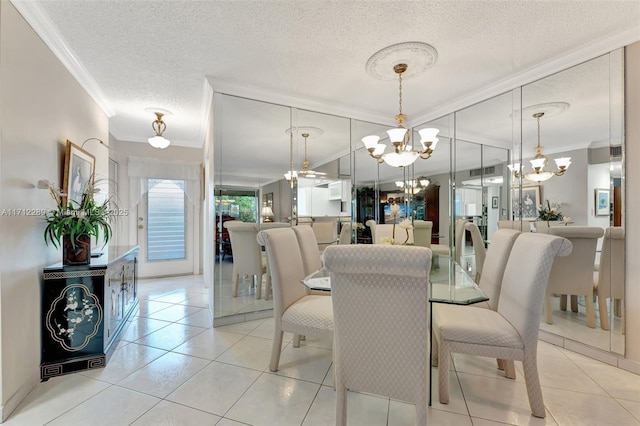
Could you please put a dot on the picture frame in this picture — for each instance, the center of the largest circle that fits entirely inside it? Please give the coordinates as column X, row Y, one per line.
column 494, row 202
column 602, row 202
column 529, row 206
column 79, row 169
column 267, row 199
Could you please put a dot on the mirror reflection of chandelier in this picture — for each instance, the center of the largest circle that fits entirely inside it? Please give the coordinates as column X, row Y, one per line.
column 306, row 172
column 413, row 186
column 539, row 162
column 403, row 153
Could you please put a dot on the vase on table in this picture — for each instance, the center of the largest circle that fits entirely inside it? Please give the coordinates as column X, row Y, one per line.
column 76, row 252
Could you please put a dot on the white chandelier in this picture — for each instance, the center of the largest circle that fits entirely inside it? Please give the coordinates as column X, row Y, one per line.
column 413, row 186
column 538, row 163
column 305, row 172
column 403, row 153
column 159, row 126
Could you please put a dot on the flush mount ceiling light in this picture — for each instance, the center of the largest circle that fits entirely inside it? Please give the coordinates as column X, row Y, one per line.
column 158, row 126
column 539, row 162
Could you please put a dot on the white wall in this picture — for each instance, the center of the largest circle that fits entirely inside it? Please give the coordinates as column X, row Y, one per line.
column 41, row 107
column 632, row 200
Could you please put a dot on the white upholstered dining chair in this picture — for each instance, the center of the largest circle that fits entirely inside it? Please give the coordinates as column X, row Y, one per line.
column 609, row 282
column 294, row 310
column 490, row 283
column 479, row 250
column 573, row 275
column 511, row 332
column 380, row 308
column 247, row 255
column 422, row 230
column 385, row 230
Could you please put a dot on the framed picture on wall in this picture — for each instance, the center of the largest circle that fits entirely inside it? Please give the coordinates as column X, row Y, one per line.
column 529, row 204
column 79, row 167
column 602, row 202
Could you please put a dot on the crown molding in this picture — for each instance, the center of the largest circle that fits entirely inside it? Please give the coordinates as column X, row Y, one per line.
column 555, row 64
column 243, row 91
column 42, row 25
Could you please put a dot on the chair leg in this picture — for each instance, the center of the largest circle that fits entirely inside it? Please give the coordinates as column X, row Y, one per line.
column 547, row 309
column 444, row 362
column 258, row 285
column 532, row 381
column 341, row 405
column 574, row 303
column 234, row 288
column 267, row 287
column 591, row 314
column 276, row 349
column 296, row 340
column 563, row 302
column 604, row 313
column 434, row 350
column 500, row 363
column 509, row 369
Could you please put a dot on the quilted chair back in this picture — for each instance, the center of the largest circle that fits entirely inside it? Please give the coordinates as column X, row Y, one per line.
column 495, row 263
column 346, row 233
column 422, row 233
column 479, row 250
column 385, row 230
column 311, row 258
column 525, row 281
column 380, row 310
column 611, row 271
column 285, row 266
column 247, row 258
column 459, row 239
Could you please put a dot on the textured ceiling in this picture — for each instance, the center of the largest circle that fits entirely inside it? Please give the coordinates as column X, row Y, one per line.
column 310, row 53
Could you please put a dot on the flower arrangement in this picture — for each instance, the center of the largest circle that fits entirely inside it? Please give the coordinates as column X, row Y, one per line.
column 404, row 224
column 550, row 212
column 75, row 223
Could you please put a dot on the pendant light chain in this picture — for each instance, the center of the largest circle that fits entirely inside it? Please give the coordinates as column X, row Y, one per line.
column 400, row 91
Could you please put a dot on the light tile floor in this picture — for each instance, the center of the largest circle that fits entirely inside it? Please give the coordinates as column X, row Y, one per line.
column 173, row 368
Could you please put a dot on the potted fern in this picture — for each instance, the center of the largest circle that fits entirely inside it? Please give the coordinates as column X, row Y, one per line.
column 72, row 225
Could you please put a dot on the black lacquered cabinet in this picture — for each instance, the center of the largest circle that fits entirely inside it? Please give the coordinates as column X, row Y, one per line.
column 84, row 308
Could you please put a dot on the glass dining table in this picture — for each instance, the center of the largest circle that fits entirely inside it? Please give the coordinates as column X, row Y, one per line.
column 448, row 283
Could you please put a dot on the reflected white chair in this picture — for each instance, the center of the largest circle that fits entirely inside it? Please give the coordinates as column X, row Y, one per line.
column 380, row 305
column 346, row 233
column 247, row 256
column 479, row 250
column 422, row 230
column 573, row 275
column 311, row 257
column 513, row 224
column 459, row 240
column 511, row 332
column 326, row 233
column 294, row 311
column 609, row 282
column 262, row 226
column 385, row 230
column 372, row 228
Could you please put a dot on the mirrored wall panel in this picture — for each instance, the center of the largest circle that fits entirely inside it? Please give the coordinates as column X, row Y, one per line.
column 574, row 119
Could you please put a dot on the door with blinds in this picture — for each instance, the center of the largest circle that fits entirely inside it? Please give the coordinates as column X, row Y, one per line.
column 165, row 229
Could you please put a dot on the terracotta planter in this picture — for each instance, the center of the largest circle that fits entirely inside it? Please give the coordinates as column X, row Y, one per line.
column 78, row 255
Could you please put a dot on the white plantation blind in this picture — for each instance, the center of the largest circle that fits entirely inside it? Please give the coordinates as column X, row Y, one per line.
column 140, row 170
column 166, row 219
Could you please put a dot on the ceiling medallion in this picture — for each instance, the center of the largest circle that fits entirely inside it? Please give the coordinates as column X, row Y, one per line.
column 418, row 57
column 548, row 109
column 313, row 132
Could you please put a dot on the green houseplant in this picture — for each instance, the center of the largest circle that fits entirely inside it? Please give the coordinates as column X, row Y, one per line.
column 75, row 223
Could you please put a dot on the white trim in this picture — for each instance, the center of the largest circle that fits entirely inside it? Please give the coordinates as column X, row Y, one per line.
column 254, row 93
column 207, row 105
column 556, row 64
column 42, row 25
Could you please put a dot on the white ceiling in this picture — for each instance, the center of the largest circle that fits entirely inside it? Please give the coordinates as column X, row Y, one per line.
column 132, row 55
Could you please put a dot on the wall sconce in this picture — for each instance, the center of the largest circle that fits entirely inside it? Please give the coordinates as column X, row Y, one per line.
column 99, row 141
